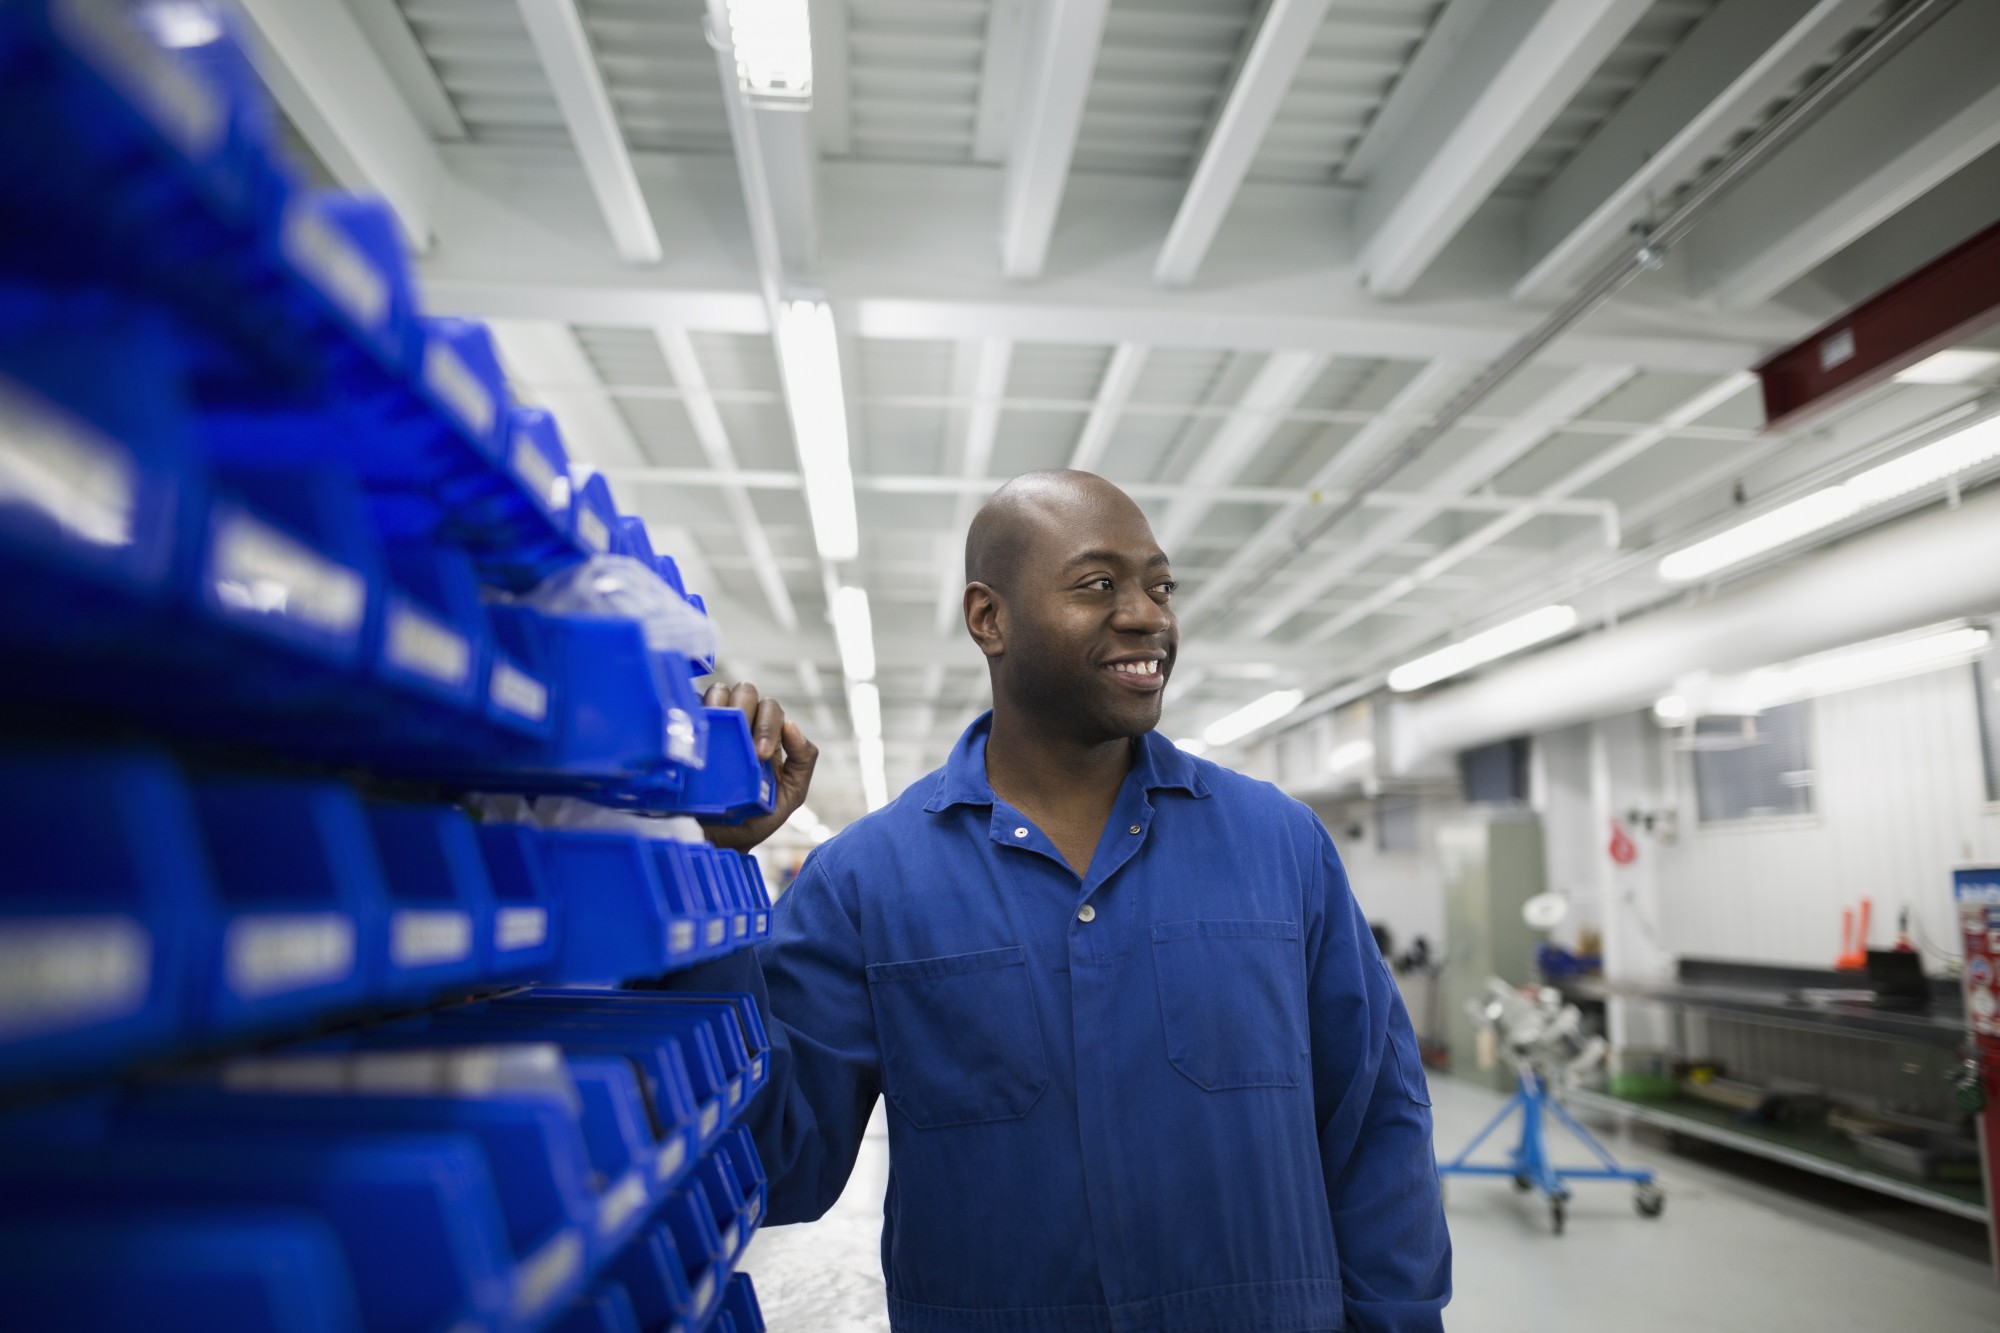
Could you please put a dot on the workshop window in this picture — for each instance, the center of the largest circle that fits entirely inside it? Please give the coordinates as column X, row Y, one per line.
column 1757, row 767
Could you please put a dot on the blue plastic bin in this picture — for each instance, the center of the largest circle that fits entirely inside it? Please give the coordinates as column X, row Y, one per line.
column 594, row 515
column 618, row 920
column 440, row 899
column 104, row 909
column 733, row 785
column 177, row 1270
column 526, row 918
column 300, row 900
column 416, row 1214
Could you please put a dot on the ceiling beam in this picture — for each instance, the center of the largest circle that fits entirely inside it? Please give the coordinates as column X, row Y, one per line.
column 832, row 111
column 522, row 246
column 980, row 372
column 685, row 366
column 1279, row 385
column 1927, row 113
column 388, row 30
column 1420, row 83
column 1121, row 375
column 977, row 488
column 563, row 46
column 1263, row 76
column 1009, row 25
column 1596, row 469
column 1577, row 393
column 1045, row 130
column 336, row 89
column 1516, row 70
column 1729, row 69
column 1401, row 415
column 547, row 366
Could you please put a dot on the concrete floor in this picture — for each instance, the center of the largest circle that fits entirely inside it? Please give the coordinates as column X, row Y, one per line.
column 1741, row 1249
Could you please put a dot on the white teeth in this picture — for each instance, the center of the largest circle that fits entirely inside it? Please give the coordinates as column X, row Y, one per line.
column 1136, row 668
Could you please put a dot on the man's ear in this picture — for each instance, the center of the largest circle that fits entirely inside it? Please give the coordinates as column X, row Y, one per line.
column 984, row 619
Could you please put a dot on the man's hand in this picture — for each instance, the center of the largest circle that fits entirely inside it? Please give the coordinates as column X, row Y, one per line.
column 777, row 740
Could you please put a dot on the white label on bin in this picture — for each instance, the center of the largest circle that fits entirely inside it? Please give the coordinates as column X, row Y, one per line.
column 742, row 925
column 757, row 1068
column 420, row 938
column 518, row 692
column 260, row 571
column 447, row 376
column 540, row 1276
column 680, row 937
column 60, row 972
column 269, row 953
column 704, row 1292
column 735, row 1092
column 60, row 468
column 680, row 736
column 417, row 643
column 536, row 472
column 672, row 1158
column 718, row 930
column 520, row 927
column 622, row 1200
column 730, row 1238
column 592, row 532
column 181, row 106
column 335, row 265
column 711, row 1116
column 763, row 923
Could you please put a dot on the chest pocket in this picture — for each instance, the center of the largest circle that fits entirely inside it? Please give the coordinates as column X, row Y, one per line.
column 958, row 1035
column 1233, row 1002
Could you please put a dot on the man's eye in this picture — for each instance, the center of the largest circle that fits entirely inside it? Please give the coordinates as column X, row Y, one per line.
column 1166, row 589
column 1103, row 583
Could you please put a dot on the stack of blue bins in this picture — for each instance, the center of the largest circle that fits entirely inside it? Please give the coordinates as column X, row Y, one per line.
column 295, row 1034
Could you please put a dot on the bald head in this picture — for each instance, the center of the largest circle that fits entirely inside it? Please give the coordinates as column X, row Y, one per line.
column 1033, row 511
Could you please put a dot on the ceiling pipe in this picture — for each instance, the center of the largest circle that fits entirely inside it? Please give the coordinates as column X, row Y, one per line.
column 1941, row 565
column 1647, row 251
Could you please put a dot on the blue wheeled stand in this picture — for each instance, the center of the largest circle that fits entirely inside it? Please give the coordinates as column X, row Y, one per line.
column 1530, row 1166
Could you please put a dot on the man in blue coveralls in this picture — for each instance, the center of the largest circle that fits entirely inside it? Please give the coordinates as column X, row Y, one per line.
column 1147, row 1069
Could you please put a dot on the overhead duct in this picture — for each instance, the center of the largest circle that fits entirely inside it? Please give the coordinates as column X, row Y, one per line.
column 1938, row 566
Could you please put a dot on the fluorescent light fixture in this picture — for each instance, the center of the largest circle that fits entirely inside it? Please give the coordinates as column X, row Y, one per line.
column 181, row 24
column 1955, row 453
column 1194, row 745
column 854, row 631
column 864, row 706
column 1257, row 713
column 1870, row 663
column 1954, row 365
column 874, row 774
column 1876, row 661
column 1351, row 755
column 809, row 360
column 1486, row 646
column 772, row 40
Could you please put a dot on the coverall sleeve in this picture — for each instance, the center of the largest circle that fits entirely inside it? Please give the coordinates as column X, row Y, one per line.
column 1375, row 1125
column 809, row 980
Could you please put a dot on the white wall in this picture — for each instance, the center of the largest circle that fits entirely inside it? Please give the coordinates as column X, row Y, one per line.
column 1899, row 799
column 1402, row 890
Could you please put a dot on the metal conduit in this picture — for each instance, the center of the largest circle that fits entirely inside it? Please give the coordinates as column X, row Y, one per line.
column 1646, row 252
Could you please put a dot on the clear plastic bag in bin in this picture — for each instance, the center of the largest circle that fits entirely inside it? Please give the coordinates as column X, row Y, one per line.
column 620, row 587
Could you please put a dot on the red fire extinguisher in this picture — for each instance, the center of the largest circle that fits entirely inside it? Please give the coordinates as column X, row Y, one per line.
column 1623, row 850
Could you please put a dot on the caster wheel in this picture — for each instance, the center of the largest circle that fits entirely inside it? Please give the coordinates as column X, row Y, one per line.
column 1522, row 1184
column 1649, row 1200
column 1557, row 1215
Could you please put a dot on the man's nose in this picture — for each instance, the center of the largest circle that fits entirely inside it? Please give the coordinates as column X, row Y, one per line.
column 1138, row 613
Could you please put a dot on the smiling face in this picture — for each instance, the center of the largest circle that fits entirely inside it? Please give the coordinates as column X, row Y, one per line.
column 1081, row 631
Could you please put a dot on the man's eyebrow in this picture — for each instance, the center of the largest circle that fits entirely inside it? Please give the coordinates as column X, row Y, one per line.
column 1113, row 558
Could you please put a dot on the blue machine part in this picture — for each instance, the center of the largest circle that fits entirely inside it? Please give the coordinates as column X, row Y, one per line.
column 104, row 910
column 187, row 1270
column 440, row 899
